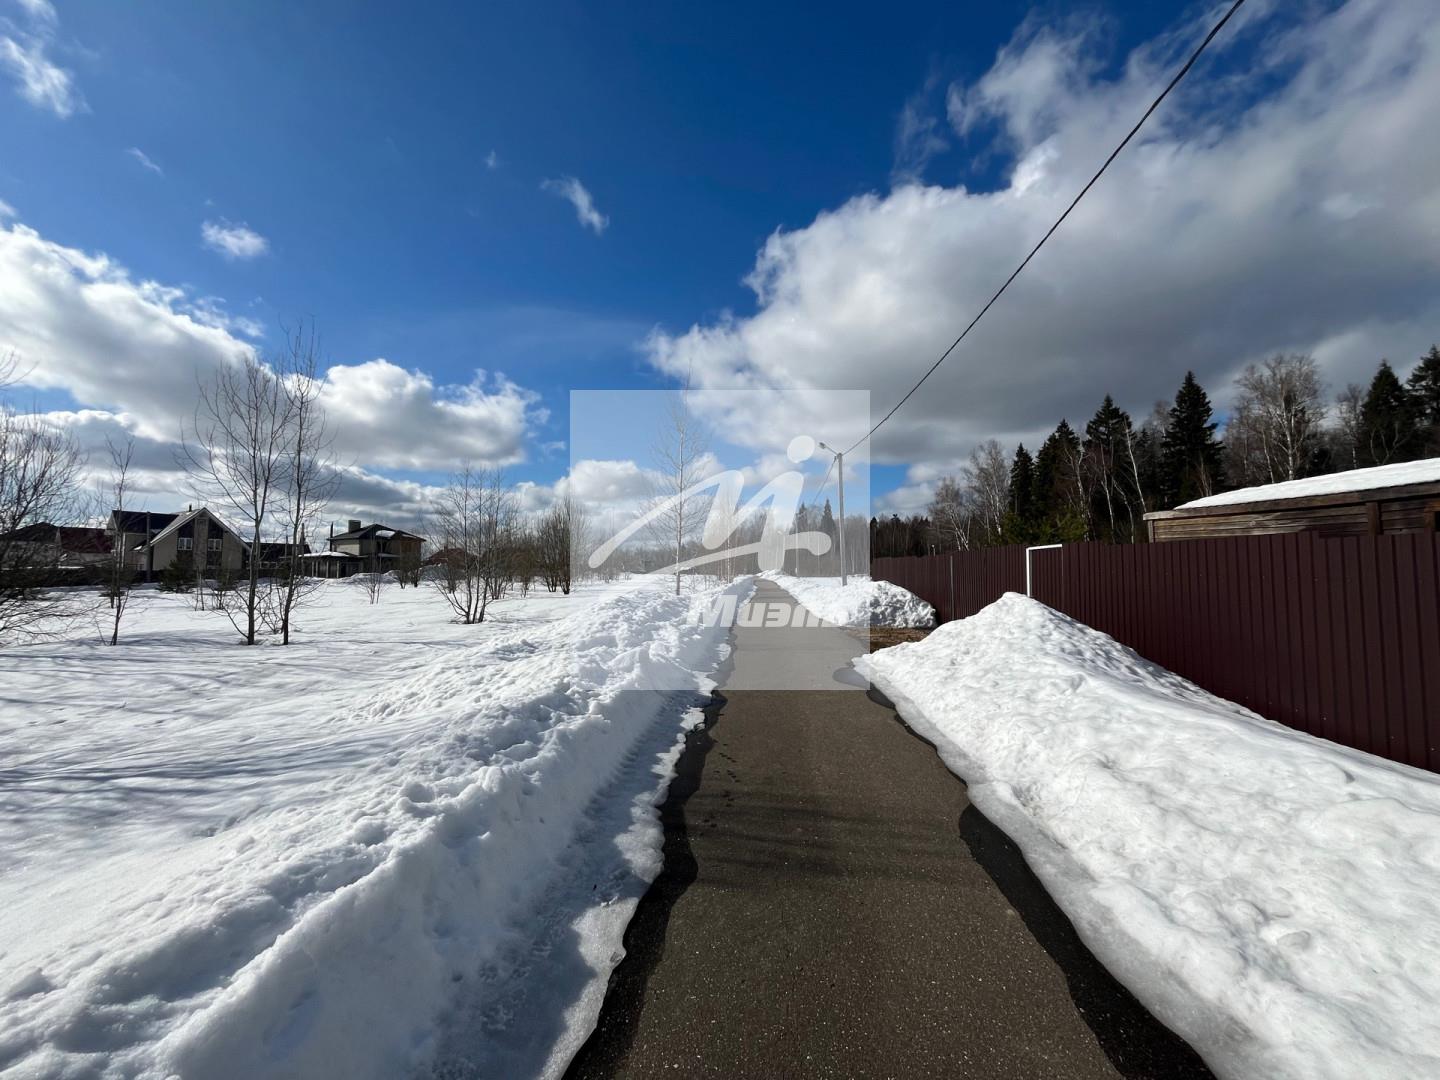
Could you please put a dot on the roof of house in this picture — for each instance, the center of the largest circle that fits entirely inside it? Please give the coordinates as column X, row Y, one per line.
column 1401, row 474
column 82, row 540
column 376, row 531
column 181, row 519
column 38, row 533
column 75, row 539
column 133, row 521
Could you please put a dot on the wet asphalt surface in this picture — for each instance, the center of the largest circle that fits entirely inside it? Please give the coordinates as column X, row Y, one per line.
column 833, row 906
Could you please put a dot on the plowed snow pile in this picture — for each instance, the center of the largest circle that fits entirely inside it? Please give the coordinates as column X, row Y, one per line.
column 398, row 845
column 859, row 602
column 1273, row 897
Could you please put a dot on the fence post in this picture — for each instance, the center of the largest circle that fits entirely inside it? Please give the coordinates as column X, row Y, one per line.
column 1029, row 591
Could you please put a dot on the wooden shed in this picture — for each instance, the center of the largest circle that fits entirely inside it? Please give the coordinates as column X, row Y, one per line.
column 1399, row 498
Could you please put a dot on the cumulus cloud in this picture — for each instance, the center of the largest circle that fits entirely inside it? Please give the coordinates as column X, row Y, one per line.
column 394, row 418
column 233, row 241
column 575, row 193
column 1289, row 205
column 132, row 353
column 25, row 54
column 144, row 160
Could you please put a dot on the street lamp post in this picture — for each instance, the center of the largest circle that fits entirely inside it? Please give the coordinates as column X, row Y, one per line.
column 840, row 469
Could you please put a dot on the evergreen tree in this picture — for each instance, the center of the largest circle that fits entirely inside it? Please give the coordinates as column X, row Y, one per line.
column 179, row 576
column 1190, row 454
column 1112, row 485
column 1424, row 389
column 1057, row 509
column 1022, row 488
column 1388, row 429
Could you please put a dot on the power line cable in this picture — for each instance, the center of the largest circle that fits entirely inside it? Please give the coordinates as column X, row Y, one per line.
column 1060, row 220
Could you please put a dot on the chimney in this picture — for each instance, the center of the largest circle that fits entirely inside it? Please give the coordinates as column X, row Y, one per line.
column 354, row 525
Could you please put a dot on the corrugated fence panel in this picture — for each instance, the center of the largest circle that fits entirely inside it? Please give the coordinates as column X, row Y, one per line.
column 1338, row 637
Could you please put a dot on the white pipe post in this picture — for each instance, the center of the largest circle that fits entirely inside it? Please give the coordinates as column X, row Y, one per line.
column 840, row 466
column 1040, row 547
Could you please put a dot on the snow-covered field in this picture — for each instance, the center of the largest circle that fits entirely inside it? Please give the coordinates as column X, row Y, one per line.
column 397, row 845
column 860, row 602
column 1273, row 897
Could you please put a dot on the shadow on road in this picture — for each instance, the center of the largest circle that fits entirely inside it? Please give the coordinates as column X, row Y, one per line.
column 1138, row 1045
column 619, row 1018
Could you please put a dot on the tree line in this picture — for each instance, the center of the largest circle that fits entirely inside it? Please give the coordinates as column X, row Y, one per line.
column 1099, row 482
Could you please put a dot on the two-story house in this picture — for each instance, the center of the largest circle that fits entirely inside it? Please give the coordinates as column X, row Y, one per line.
column 196, row 537
column 368, row 549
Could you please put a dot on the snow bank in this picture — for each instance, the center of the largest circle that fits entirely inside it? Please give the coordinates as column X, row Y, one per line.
column 862, row 602
column 1273, row 897
column 361, row 885
column 1381, row 476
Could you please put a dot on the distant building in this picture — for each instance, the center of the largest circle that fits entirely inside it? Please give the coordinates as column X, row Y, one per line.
column 154, row 541
column 65, row 547
column 1399, row 498
column 369, row 549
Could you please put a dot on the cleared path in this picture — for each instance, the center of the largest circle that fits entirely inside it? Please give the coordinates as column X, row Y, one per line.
column 832, row 905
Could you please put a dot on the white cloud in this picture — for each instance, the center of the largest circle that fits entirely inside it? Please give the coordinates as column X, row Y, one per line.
column 144, row 160
column 918, row 138
column 132, row 353
column 41, row 11
column 233, row 241
column 6, row 211
column 389, row 417
column 39, row 80
column 492, row 161
column 574, row 192
column 1232, row 228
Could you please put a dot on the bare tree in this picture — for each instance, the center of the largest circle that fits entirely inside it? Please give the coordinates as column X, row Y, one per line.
column 678, row 454
column 475, row 517
column 1275, row 426
column 1349, row 427
column 119, row 574
column 310, row 473
column 374, row 586
column 39, row 470
column 953, row 515
column 986, row 477
column 237, row 454
column 557, row 546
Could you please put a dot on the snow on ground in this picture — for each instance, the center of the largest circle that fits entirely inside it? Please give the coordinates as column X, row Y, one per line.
column 861, row 602
column 396, row 845
column 1273, row 897
column 1426, row 471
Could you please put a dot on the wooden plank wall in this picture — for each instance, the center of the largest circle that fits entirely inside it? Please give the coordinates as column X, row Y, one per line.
column 1338, row 637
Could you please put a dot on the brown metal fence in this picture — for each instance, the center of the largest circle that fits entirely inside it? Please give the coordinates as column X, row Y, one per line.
column 1336, row 637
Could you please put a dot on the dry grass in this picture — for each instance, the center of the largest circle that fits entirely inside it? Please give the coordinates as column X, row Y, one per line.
column 882, row 637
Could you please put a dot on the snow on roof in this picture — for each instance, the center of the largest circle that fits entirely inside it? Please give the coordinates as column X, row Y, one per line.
column 1426, row 471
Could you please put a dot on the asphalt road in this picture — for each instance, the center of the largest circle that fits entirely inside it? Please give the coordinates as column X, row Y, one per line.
column 832, row 906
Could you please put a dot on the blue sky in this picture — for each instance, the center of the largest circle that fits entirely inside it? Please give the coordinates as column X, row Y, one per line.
column 403, row 172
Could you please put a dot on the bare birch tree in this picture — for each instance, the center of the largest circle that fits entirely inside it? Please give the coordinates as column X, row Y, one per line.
column 311, row 475
column 237, row 453
column 678, row 454
column 119, row 574
column 1275, row 426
